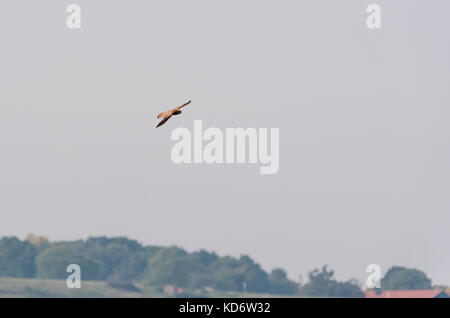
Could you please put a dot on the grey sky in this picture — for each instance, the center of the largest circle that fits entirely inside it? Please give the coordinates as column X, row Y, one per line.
column 363, row 116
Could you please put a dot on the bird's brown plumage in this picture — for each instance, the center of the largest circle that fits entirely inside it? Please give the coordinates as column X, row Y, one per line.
column 168, row 114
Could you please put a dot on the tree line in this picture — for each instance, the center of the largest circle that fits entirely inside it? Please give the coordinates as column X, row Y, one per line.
column 120, row 260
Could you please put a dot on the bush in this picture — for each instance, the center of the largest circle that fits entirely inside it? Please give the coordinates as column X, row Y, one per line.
column 17, row 258
column 405, row 278
column 53, row 262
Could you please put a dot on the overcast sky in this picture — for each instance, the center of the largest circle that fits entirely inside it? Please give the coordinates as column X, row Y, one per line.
column 363, row 116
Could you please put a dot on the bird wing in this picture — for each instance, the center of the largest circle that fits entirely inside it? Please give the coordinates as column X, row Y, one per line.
column 177, row 108
column 162, row 122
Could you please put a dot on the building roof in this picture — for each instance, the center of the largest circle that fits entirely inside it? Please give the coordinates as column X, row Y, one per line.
column 417, row 293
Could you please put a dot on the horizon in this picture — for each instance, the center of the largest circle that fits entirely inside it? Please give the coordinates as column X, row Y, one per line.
column 300, row 279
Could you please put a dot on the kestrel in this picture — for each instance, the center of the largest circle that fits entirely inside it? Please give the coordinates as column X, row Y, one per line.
column 168, row 114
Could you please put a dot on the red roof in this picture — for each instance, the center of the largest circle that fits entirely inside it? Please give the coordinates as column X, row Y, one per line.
column 417, row 293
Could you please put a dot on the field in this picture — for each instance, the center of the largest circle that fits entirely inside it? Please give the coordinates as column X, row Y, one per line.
column 38, row 288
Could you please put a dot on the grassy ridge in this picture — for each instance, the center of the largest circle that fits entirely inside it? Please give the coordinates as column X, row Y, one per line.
column 49, row 288
column 22, row 287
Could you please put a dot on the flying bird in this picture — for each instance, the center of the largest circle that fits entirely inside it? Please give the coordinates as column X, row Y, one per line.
column 168, row 114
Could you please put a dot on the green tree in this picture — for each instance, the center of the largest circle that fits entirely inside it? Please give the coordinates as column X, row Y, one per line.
column 122, row 259
column 17, row 258
column 200, row 273
column 322, row 284
column 255, row 278
column 239, row 274
column 398, row 278
column 53, row 261
column 134, row 267
column 280, row 283
column 168, row 266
